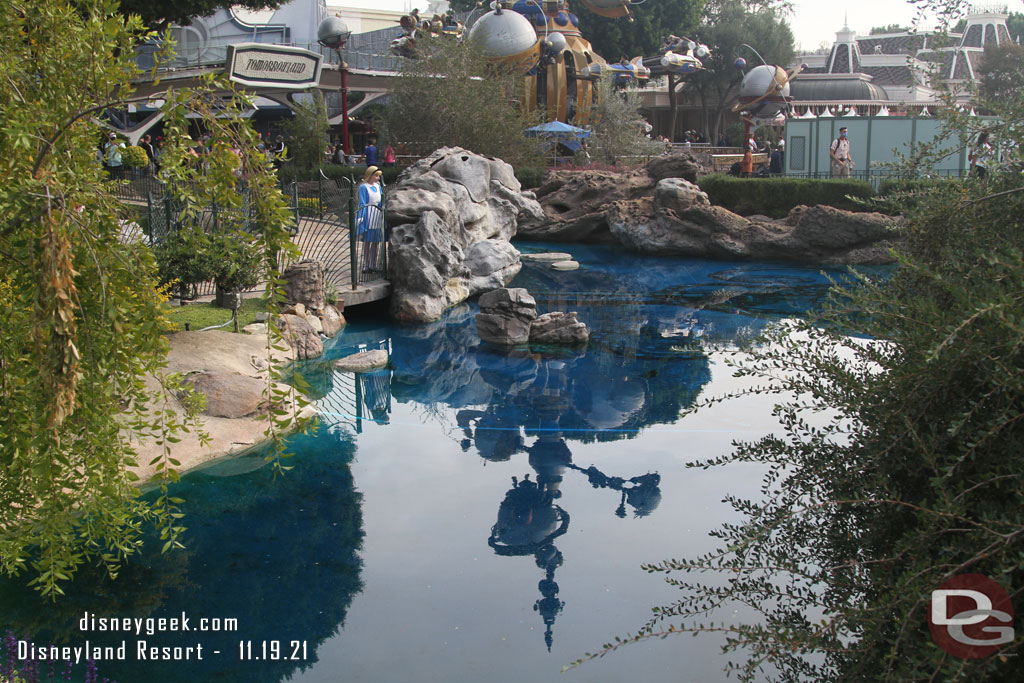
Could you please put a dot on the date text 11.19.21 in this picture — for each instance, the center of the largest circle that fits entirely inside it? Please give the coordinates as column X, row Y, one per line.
column 272, row 649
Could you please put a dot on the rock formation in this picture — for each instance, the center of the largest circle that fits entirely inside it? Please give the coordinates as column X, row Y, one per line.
column 452, row 215
column 652, row 212
column 559, row 328
column 679, row 221
column 505, row 316
column 363, row 361
column 306, row 314
column 508, row 317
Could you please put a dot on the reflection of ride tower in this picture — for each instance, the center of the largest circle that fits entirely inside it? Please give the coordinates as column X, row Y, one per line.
column 556, row 84
column 528, row 523
column 528, row 519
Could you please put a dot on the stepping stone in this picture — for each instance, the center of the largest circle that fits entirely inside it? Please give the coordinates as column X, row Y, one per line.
column 363, row 361
column 547, row 257
column 565, row 265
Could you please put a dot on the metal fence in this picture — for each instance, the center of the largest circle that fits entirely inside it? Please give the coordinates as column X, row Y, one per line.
column 324, row 210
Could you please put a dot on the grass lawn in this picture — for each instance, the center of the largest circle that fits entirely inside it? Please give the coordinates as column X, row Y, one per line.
column 207, row 314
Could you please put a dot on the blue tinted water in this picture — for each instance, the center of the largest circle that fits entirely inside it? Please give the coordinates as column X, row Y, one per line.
column 471, row 513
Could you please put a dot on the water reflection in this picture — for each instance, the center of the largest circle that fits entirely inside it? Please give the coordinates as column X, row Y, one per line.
column 285, row 557
column 280, row 556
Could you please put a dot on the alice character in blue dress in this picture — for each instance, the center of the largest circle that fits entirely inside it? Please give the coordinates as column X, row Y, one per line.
column 370, row 219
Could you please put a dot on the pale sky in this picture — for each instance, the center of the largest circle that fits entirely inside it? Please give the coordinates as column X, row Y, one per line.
column 813, row 21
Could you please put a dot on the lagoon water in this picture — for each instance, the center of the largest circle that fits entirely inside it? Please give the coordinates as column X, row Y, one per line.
column 470, row 513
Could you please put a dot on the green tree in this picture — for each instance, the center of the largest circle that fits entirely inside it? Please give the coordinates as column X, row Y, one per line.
column 618, row 129
column 1002, row 72
column 898, row 462
column 307, row 133
column 889, row 28
column 159, row 14
column 729, row 25
column 81, row 311
column 1015, row 25
column 454, row 97
column 652, row 22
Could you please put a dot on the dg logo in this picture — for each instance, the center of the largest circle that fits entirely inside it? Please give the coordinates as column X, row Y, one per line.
column 971, row 616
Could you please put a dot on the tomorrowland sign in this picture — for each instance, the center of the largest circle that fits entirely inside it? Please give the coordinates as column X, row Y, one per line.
column 273, row 66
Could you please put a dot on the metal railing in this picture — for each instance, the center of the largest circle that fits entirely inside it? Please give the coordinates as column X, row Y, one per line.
column 218, row 54
column 324, row 210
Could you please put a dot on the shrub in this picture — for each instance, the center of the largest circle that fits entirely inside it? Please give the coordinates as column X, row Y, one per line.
column 896, row 195
column 237, row 261
column 134, row 157
column 185, row 257
column 775, row 197
column 530, row 176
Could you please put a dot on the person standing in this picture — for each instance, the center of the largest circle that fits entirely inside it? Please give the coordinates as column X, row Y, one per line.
column 370, row 219
column 370, row 152
column 839, row 150
column 747, row 164
column 112, row 155
column 980, row 155
column 279, row 152
column 147, row 144
column 389, row 156
column 778, row 159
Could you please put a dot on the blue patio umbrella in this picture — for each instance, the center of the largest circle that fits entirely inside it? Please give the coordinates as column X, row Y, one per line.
column 559, row 133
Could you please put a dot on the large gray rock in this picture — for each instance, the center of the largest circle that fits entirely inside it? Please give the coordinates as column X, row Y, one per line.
column 505, row 316
column 559, row 328
column 683, row 166
column 452, row 216
column 304, row 284
column 658, row 210
column 575, row 203
column 678, row 220
column 300, row 335
column 229, row 394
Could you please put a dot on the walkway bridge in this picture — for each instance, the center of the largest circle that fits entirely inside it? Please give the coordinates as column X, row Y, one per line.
column 324, row 211
column 367, row 72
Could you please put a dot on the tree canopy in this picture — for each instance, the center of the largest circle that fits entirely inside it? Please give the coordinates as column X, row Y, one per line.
column 890, row 28
column 82, row 356
column 728, row 26
column 158, row 14
column 471, row 105
column 653, row 21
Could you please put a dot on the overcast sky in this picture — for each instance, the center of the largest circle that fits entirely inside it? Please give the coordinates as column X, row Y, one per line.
column 813, row 21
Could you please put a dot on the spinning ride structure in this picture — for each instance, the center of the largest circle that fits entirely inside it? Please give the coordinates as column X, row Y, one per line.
column 543, row 38
column 764, row 97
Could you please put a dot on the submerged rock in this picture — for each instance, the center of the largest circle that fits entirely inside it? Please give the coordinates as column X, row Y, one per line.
column 559, row 328
column 364, row 361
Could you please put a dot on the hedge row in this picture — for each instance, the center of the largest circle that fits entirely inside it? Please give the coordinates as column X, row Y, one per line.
column 775, row 197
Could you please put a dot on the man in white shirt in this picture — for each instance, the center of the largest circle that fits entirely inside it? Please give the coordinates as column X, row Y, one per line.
column 842, row 162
